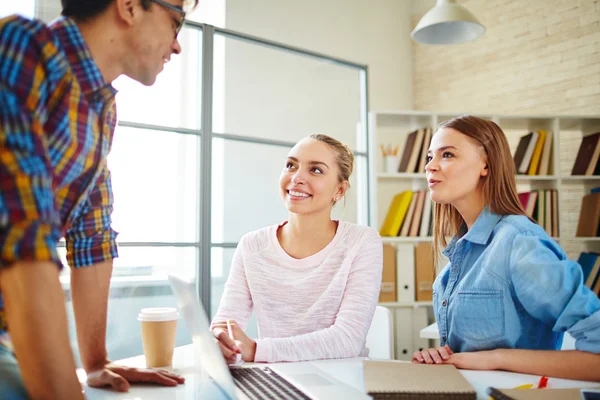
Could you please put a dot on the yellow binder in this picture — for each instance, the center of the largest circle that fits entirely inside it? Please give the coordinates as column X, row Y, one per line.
column 537, row 154
column 396, row 213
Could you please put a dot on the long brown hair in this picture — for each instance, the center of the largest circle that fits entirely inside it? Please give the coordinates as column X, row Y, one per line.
column 499, row 186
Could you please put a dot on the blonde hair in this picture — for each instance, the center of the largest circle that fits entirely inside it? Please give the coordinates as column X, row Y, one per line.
column 344, row 157
column 499, row 186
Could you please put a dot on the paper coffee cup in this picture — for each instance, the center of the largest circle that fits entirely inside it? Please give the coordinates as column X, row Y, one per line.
column 159, row 326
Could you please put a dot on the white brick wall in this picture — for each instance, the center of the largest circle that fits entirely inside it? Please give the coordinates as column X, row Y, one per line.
column 536, row 57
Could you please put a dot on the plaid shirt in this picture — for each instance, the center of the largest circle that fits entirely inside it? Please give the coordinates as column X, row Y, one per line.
column 57, row 119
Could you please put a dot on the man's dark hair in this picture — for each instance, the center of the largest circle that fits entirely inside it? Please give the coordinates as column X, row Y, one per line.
column 85, row 9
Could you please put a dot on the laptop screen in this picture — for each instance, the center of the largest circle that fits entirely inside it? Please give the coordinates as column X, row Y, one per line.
column 205, row 343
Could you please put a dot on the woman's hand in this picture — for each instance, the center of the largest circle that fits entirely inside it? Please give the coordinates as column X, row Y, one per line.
column 437, row 355
column 241, row 344
column 479, row 360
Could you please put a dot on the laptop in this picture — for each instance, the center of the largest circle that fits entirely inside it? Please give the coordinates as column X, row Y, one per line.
column 268, row 381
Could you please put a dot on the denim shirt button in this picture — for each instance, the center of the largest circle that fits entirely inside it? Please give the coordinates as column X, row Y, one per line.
column 444, row 303
column 443, row 338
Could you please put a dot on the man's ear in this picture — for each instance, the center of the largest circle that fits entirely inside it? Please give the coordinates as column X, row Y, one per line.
column 126, row 10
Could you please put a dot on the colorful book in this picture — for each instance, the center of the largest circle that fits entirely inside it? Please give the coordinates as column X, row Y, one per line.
column 396, row 213
column 537, row 153
column 589, row 217
column 524, row 167
column 546, row 155
column 585, row 154
column 409, row 215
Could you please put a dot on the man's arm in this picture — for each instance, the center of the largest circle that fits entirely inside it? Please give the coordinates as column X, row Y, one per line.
column 89, row 293
column 35, row 311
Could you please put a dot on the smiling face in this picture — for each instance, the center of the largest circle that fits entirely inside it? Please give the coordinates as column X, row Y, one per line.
column 455, row 166
column 309, row 182
column 153, row 40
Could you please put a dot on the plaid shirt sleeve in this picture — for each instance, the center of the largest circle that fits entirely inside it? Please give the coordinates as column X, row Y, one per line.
column 29, row 220
column 90, row 239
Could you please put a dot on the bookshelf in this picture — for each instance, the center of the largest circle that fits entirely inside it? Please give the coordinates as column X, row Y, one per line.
column 393, row 127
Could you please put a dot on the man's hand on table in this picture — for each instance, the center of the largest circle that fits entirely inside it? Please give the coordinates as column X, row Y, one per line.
column 119, row 377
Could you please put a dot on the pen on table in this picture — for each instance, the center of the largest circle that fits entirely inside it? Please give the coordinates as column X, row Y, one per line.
column 542, row 383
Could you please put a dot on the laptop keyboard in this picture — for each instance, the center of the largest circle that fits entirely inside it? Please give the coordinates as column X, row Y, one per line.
column 264, row 383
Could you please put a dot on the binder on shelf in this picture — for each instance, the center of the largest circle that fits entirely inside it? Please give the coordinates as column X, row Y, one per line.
column 409, row 215
column 546, row 155
column 396, row 214
column 419, row 321
column 403, row 332
column 416, row 220
column 537, row 153
column 589, row 217
column 426, row 221
column 555, row 229
column 424, row 272
column 521, row 150
column 416, row 151
column 524, row 167
column 585, row 154
column 423, row 157
column 409, row 381
column 548, row 208
column 405, row 273
column 408, row 149
column 387, row 293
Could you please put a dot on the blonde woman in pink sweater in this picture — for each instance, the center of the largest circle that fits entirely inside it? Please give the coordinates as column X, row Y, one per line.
column 313, row 282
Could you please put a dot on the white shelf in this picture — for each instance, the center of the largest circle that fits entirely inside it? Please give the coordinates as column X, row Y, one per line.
column 526, row 178
column 580, row 178
column 406, row 239
column 581, row 239
column 520, row 178
column 401, row 175
column 413, row 304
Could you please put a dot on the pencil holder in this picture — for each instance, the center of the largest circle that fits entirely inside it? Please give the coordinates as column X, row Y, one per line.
column 390, row 164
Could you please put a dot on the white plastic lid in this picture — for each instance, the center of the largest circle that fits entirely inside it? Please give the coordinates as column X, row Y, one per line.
column 158, row 314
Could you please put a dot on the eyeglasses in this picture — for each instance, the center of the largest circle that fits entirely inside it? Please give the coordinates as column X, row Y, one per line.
column 177, row 10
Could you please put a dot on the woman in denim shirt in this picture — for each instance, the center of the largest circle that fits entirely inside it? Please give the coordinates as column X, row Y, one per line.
column 508, row 293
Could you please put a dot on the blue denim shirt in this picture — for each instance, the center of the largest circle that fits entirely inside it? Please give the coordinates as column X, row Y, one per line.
column 509, row 285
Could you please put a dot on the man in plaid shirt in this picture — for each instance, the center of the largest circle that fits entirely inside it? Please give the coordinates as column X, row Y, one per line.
column 57, row 119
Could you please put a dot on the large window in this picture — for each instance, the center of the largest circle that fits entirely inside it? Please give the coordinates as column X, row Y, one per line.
column 23, row 7
column 192, row 174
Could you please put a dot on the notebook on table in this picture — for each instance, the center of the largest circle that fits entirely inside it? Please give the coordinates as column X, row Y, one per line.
column 535, row 394
column 402, row 380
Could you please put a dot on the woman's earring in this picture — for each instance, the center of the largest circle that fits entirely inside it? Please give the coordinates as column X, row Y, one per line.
column 337, row 198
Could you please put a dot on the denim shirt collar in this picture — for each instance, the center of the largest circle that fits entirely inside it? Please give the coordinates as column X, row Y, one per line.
column 479, row 233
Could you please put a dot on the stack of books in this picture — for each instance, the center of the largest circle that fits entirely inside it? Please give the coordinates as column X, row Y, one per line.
column 409, row 214
column 533, row 153
column 414, row 156
column 542, row 206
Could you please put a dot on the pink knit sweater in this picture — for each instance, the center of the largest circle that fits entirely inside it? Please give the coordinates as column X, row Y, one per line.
column 317, row 307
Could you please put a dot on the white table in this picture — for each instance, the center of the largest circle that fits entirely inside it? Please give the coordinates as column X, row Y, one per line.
column 349, row 371
column 430, row 332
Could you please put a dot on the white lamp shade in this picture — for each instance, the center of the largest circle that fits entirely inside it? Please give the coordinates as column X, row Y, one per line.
column 447, row 23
